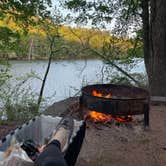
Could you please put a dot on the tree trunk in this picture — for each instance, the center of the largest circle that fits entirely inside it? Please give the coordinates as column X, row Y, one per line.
column 146, row 41
column 157, row 60
column 30, row 50
column 46, row 73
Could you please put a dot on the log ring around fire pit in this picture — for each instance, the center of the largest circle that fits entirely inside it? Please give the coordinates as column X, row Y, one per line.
column 123, row 100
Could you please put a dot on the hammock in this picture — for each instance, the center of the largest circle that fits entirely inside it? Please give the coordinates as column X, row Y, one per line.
column 40, row 128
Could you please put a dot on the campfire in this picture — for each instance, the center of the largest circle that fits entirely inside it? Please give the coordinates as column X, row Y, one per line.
column 103, row 118
column 108, row 102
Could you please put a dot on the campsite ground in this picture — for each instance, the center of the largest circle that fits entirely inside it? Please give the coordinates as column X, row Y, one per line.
column 106, row 145
column 119, row 146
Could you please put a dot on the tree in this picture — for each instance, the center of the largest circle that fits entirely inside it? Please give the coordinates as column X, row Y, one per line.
column 22, row 14
column 24, row 11
column 51, row 28
column 155, row 42
column 8, row 40
column 133, row 15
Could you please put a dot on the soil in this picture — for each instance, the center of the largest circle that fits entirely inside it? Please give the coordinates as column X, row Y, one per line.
column 119, row 146
column 112, row 145
column 8, row 127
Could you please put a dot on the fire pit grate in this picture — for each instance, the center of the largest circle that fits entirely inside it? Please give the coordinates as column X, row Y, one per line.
column 116, row 100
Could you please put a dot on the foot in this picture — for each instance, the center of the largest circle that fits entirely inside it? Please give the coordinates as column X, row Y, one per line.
column 63, row 132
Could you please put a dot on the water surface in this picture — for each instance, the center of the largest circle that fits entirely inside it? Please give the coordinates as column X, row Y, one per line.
column 65, row 77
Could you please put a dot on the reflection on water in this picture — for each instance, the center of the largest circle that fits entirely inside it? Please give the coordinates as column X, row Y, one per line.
column 64, row 78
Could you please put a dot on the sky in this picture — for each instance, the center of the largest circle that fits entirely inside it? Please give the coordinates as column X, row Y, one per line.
column 72, row 24
column 109, row 27
column 56, row 3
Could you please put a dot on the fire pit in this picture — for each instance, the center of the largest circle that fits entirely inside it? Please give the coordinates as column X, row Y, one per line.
column 118, row 101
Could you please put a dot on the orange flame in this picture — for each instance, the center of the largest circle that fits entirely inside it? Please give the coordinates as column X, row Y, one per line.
column 98, row 94
column 100, row 117
column 127, row 118
column 107, row 96
column 103, row 118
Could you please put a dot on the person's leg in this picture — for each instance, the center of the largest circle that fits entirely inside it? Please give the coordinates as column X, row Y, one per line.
column 51, row 156
column 75, row 147
column 53, row 153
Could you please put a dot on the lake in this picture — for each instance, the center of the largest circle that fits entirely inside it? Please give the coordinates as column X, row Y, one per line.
column 66, row 77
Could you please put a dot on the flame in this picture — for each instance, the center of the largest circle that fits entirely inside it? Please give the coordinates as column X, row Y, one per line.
column 107, row 96
column 98, row 94
column 127, row 118
column 95, row 93
column 103, row 118
column 99, row 117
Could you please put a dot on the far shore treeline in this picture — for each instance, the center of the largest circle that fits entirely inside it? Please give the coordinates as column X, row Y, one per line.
column 17, row 44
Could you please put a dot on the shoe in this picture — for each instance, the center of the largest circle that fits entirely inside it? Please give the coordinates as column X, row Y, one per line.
column 63, row 132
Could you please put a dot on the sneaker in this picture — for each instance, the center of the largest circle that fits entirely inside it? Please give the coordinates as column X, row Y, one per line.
column 63, row 132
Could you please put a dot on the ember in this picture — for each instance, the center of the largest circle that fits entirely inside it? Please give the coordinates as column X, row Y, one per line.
column 99, row 117
column 103, row 118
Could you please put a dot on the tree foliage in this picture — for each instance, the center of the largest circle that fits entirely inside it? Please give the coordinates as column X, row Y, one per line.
column 16, row 16
column 123, row 13
column 24, row 10
column 73, row 38
column 122, row 17
column 8, row 40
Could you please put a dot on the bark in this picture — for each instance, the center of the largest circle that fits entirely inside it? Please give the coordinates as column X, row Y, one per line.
column 146, row 41
column 30, row 50
column 154, row 38
column 157, row 59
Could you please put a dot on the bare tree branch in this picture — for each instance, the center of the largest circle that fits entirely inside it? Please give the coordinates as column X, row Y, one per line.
column 114, row 65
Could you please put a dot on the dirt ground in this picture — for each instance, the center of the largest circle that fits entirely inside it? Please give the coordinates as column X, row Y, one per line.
column 124, row 146
column 6, row 128
column 111, row 145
